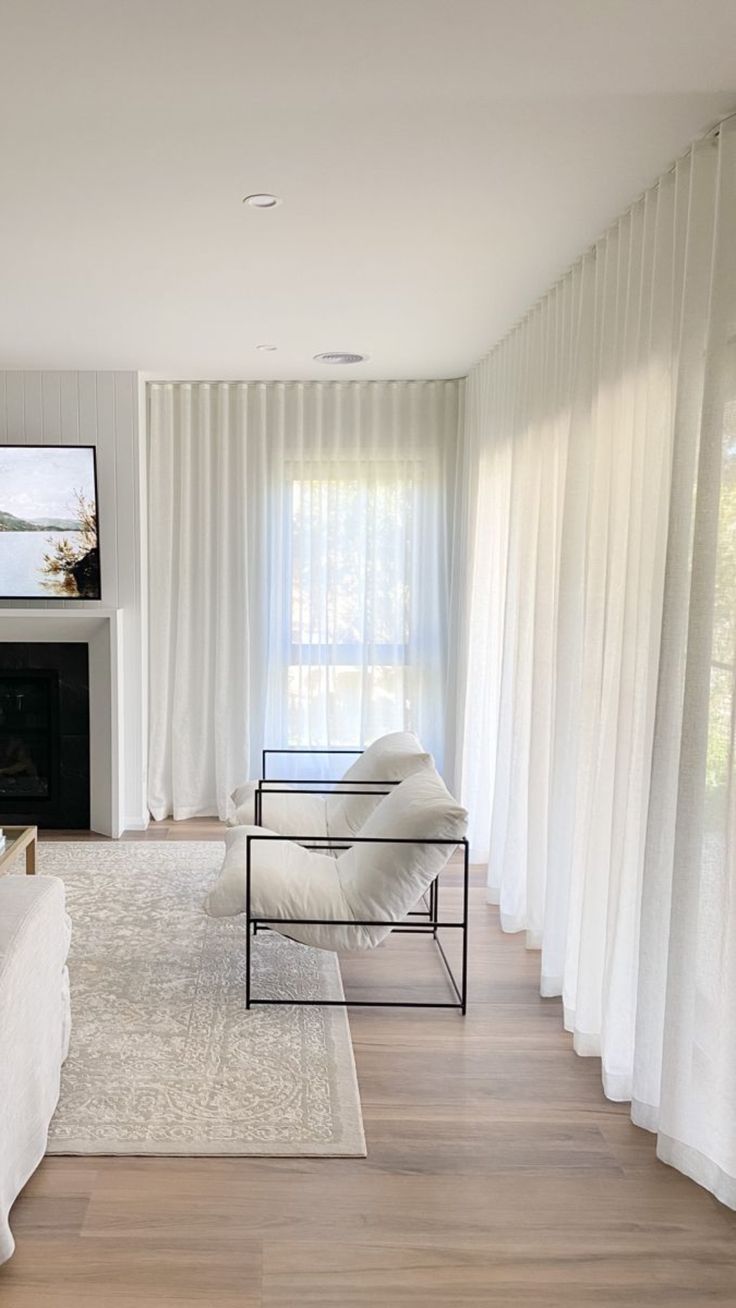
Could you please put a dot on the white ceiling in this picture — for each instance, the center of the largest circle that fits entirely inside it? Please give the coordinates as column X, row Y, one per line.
column 440, row 162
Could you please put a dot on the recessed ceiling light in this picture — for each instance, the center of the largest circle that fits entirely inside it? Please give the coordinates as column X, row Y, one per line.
column 267, row 347
column 340, row 356
column 262, row 200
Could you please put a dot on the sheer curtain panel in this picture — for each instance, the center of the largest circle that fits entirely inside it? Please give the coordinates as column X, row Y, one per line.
column 301, row 539
column 598, row 757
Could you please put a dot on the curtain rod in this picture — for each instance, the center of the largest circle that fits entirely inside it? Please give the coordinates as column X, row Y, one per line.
column 716, row 131
column 303, row 381
column 711, row 134
column 591, row 251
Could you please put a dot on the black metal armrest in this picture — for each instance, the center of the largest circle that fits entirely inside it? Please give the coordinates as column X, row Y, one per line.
column 299, row 786
column 301, row 750
column 303, row 785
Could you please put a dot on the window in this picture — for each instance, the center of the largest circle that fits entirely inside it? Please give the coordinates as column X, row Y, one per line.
column 351, row 562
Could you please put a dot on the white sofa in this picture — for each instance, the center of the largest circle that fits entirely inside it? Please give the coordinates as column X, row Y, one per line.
column 35, row 1025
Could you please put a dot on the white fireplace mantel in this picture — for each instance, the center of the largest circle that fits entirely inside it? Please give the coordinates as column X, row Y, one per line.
column 101, row 629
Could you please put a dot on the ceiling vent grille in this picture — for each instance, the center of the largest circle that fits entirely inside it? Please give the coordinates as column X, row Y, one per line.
column 340, row 356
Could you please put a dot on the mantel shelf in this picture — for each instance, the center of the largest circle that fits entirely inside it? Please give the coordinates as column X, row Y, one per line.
column 94, row 610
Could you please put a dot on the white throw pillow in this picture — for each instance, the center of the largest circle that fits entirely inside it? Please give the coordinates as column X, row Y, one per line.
column 390, row 758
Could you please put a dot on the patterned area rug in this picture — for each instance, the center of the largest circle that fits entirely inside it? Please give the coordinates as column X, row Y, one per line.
column 164, row 1058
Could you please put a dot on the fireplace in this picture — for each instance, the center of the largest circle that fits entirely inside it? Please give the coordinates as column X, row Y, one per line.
column 44, row 735
column 29, row 714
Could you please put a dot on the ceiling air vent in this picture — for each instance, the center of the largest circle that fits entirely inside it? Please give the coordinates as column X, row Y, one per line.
column 340, row 356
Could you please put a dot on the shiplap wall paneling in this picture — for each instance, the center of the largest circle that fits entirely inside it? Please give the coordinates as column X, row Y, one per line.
column 101, row 409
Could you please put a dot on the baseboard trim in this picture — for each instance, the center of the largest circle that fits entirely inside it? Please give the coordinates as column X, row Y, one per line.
column 137, row 823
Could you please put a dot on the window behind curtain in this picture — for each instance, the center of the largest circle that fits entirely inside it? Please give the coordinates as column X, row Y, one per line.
column 351, row 554
column 301, row 537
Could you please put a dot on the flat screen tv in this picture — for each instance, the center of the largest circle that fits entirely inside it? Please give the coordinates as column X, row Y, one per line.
column 48, row 522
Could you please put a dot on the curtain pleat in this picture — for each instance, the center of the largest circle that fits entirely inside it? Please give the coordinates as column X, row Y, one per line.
column 300, row 574
column 598, row 752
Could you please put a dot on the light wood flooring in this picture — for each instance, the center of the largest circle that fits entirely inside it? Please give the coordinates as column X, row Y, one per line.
column 497, row 1174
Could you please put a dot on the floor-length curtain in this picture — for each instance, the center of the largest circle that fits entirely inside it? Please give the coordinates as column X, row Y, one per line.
column 685, row 1078
column 203, row 599
column 301, row 537
column 586, row 425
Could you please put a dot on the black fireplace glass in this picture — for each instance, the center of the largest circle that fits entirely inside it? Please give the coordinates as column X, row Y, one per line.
column 44, row 734
column 28, row 725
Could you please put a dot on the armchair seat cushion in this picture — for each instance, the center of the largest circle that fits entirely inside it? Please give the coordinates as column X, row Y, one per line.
column 287, row 881
column 295, row 814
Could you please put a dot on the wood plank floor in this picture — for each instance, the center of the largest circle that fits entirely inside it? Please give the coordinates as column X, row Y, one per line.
column 497, row 1174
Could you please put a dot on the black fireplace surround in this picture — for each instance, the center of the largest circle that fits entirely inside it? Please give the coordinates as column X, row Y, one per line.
column 44, row 735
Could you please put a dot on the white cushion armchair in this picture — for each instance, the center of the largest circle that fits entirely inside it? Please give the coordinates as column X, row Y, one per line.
column 373, row 886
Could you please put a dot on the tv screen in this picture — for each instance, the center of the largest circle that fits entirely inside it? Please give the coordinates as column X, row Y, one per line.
column 48, row 522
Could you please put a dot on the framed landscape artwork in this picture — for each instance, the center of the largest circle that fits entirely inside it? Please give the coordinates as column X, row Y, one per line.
column 48, row 522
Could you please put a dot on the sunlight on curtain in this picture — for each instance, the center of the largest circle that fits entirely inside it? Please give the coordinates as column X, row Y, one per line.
column 598, row 749
column 300, row 539
column 697, row 1118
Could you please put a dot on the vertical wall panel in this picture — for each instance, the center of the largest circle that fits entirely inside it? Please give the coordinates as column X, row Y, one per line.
column 100, row 409
column 69, row 408
column 14, row 429
column 50, row 407
column 32, row 408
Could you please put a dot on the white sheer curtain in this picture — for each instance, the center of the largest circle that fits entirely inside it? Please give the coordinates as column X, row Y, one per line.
column 685, row 1052
column 300, row 541
column 584, row 427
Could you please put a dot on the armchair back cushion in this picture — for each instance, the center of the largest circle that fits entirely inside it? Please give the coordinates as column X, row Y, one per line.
column 390, row 758
column 388, row 880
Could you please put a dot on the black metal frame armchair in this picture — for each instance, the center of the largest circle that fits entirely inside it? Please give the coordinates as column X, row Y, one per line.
column 430, row 924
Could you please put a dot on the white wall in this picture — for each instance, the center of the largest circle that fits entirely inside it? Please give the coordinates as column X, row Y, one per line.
column 104, row 409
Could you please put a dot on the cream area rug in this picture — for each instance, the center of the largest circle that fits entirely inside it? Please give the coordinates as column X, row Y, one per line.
column 164, row 1057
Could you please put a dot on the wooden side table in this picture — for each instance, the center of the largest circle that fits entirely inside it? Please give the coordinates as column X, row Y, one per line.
column 17, row 839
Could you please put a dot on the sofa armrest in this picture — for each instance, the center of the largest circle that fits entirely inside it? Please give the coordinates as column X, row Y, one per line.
column 23, row 902
column 34, row 942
